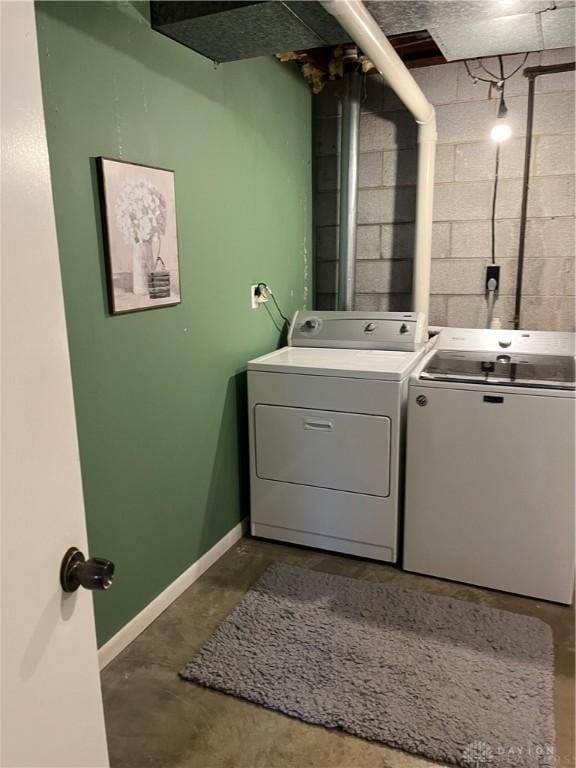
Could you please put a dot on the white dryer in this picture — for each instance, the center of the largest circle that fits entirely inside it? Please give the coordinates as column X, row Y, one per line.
column 326, row 419
column 490, row 485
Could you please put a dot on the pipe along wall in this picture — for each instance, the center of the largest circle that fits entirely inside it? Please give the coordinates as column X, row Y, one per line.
column 353, row 16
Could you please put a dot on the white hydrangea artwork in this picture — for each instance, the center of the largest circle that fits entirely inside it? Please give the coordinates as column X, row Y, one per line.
column 138, row 205
column 140, row 212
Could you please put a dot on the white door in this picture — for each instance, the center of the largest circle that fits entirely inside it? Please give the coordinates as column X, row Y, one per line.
column 51, row 701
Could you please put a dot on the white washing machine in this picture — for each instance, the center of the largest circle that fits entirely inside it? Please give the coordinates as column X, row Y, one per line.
column 490, row 485
column 327, row 416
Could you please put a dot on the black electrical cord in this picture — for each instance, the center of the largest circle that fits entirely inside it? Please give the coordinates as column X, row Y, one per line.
column 501, row 113
column 262, row 288
column 282, row 315
column 502, row 77
column 494, row 198
column 494, row 79
column 278, row 328
column 269, row 293
column 501, row 62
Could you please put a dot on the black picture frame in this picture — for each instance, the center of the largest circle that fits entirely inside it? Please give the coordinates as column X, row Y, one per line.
column 139, row 223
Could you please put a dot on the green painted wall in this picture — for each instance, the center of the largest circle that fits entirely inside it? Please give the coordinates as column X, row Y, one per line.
column 160, row 394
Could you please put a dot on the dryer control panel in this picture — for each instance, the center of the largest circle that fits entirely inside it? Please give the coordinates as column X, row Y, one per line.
column 402, row 331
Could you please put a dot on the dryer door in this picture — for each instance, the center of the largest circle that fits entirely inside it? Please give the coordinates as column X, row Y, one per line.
column 327, row 449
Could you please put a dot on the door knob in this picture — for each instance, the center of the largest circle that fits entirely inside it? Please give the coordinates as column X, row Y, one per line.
column 76, row 571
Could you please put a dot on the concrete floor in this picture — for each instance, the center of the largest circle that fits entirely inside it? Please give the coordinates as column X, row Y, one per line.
column 155, row 719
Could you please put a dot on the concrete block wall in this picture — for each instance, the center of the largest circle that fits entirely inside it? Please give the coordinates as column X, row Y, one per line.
column 465, row 168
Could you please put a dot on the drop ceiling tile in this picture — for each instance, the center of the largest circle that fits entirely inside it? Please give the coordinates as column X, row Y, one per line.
column 510, row 34
column 398, row 16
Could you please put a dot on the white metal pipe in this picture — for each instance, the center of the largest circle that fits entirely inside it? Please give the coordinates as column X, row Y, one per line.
column 423, row 229
column 353, row 16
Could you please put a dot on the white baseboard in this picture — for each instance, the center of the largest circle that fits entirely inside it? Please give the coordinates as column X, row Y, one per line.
column 138, row 624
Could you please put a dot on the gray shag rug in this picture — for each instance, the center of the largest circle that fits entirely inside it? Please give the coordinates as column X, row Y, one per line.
column 450, row 680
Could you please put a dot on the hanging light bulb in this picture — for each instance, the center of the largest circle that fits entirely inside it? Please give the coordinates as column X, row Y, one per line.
column 501, row 130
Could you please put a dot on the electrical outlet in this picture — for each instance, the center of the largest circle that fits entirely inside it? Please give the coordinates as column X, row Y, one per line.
column 492, row 277
column 256, row 297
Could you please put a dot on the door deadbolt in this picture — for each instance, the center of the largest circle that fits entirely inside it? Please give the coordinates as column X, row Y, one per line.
column 76, row 571
column 422, row 400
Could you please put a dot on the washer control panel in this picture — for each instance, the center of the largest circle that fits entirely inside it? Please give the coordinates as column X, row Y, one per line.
column 487, row 340
column 402, row 331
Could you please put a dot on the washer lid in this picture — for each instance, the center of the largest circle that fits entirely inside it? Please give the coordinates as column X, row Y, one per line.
column 362, row 364
column 513, row 370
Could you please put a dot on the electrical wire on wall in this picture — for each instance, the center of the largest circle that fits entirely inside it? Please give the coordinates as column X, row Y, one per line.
column 501, row 131
column 493, row 80
column 494, row 201
column 267, row 292
column 502, row 112
column 278, row 327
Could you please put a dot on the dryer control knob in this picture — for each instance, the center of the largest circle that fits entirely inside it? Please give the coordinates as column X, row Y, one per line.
column 311, row 324
column 504, row 343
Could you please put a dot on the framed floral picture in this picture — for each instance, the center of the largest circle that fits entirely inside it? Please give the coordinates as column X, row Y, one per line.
column 141, row 240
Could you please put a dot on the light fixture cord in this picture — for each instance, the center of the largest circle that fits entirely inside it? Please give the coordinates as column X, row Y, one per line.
column 494, row 199
column 501, row 109
column 493, row 78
